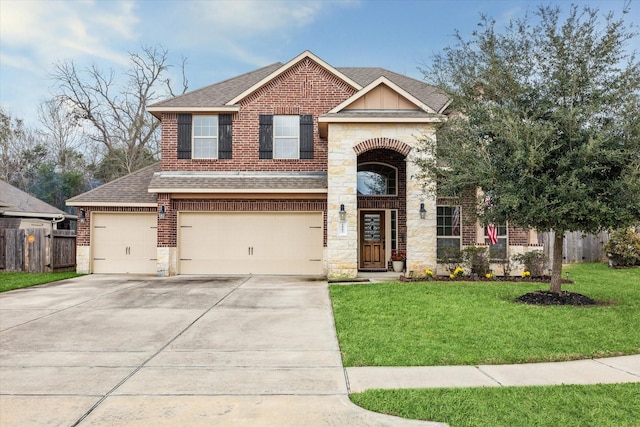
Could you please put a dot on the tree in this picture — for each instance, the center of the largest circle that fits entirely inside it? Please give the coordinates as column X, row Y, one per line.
column 117, row 113
column 545, row 120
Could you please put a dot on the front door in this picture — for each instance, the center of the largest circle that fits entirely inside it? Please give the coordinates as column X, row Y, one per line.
column 372, row 254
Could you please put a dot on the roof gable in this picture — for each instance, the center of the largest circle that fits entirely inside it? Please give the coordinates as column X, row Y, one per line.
column 304, row 55
column 379, row 89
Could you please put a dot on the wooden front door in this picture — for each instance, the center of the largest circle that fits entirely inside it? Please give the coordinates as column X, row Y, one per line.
column 372, row 254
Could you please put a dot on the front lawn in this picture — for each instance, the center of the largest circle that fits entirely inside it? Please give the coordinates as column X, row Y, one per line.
column 468, row 323
column 10, row 281
column 567, row 405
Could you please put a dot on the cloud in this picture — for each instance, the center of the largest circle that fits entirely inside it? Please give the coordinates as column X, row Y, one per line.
column 35, row 33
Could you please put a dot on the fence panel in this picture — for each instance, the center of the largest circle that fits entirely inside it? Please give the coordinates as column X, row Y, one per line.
column 13, row 243
column 578, row 247
column 63, row 250
column 37, row 244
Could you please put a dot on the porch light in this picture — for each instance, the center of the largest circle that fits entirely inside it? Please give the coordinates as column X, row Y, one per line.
column 163, row 211
column 342, row 213
column 423, row 211
column 83, row 216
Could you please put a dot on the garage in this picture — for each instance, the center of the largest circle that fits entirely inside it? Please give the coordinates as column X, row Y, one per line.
column 124, row 243
column 250, row 243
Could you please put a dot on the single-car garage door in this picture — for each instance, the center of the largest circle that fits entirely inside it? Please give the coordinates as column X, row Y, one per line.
column 250, row 243
column 124, row 242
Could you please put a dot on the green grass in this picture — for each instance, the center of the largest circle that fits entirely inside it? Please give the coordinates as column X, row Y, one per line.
column 11, row 281
column 567, row 405
column 467, row 323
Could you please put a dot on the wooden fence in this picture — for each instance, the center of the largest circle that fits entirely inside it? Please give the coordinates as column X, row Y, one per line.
column 578, row 247
column 36, row 250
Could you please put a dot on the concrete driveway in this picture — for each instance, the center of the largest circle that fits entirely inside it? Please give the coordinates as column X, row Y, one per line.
column 137, row 350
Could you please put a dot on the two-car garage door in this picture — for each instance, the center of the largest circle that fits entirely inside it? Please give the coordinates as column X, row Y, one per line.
column 250, row 243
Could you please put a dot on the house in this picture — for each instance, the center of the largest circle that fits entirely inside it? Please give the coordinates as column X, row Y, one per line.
column 294, row 168
column 20, row 210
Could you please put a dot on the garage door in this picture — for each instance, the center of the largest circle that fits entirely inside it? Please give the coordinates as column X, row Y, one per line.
column 124, row 243
column 250, row 243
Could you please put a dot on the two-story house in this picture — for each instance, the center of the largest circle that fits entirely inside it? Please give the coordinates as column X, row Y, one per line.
column 294, row 168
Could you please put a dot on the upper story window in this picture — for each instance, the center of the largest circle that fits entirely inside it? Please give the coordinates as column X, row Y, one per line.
column 286, row 137
column 205, row 137
column 377, row 179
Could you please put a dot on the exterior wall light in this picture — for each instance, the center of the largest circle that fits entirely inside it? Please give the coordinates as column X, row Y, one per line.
column 83, row 216
column 342, row 213
column 423, row 211
column 162, row 212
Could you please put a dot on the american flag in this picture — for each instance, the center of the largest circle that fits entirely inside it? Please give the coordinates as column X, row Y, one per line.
column 492, row 234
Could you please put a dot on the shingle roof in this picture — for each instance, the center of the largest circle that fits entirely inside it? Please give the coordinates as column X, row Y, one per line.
column 16, row 201
column 218, row 94
column 130, row 190
column 239, row 181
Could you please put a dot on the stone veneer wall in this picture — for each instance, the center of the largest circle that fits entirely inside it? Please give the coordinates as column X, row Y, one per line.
column 342, row 251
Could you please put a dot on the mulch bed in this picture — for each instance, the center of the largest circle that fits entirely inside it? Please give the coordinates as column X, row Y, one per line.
column 535, row 298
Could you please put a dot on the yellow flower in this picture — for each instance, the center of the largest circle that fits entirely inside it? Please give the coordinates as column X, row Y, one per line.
column 451, row 276
column 428, row 273
column 488, row 276
column 526, row 274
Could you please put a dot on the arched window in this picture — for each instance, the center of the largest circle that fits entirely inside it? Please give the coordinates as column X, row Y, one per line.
column 377, row 179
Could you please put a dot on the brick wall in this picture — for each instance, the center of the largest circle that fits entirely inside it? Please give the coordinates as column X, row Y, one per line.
column 306, row 88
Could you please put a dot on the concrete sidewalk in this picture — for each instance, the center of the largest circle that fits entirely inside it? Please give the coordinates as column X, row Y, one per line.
column 225, row 351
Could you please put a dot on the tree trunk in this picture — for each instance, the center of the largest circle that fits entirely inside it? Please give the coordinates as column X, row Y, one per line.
column 556, row 272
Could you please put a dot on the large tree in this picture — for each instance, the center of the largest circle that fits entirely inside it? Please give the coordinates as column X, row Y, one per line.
column 545, row 119
column 115, row 106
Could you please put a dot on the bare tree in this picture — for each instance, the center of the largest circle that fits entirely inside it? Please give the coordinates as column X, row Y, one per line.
column 116, row 110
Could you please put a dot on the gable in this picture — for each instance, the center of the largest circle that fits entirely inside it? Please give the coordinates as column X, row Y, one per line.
column 382, row 97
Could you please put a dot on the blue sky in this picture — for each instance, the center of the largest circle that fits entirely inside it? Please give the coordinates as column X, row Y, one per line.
column 221, row 39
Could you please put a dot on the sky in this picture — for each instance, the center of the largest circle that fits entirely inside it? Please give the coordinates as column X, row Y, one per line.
column 221, row 39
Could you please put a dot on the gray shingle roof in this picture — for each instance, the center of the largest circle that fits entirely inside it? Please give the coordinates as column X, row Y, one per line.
column 239, row 181
column 17, row 201
column 218, row 94
column 130, row 190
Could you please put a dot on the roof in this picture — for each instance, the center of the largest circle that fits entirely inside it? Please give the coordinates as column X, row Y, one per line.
column 130, row 190
column 239, row 182
column 15, row 202
column 219, row 95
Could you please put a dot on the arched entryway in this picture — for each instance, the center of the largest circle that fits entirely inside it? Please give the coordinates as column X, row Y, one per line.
column 381, row 203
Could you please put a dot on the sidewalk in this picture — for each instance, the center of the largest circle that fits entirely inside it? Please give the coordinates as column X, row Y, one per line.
column 624, row 369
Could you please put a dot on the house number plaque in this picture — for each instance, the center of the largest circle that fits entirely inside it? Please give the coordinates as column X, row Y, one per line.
column 342, row 228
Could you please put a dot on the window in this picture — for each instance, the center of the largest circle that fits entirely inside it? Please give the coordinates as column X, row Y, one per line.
column 499, row 250
column 286, row 137
column 205, row 137
column 448, row 229
column 376, row 179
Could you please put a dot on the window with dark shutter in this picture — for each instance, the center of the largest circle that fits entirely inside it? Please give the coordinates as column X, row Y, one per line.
column 306, row 136
column 266, row 136
column 224, row 136
column 184, row 136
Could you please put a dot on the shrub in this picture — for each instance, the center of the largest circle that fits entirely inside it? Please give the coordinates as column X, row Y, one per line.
column 477, row 259
column 533, row 261
column 623, row 248
column 451, row 257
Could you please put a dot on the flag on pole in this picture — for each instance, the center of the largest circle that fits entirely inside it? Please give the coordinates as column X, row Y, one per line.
column 492, row 234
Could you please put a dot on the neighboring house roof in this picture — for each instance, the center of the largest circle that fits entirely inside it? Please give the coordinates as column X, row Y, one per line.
column 16, row 203
column 238, row 182
column 130, row 190
column 219, row 96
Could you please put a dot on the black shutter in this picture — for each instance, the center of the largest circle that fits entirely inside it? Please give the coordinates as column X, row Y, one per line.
column 184, row 136
column 266, row 136
column 306, row 136
column 224, row 136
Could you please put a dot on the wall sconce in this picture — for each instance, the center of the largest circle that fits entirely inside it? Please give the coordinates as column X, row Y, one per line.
column 342, row 213
column 423, row 211
column 162, row 212
column 83, row 216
